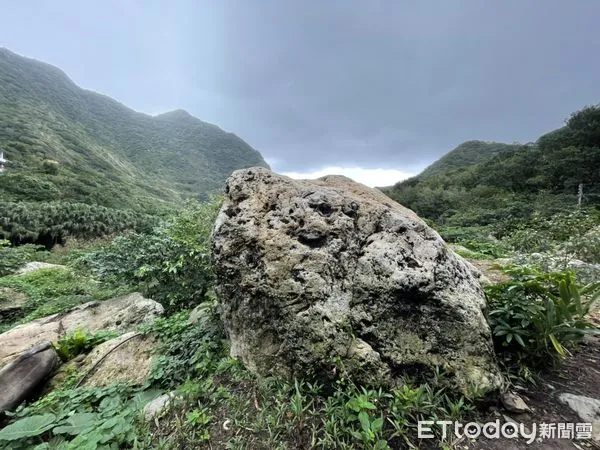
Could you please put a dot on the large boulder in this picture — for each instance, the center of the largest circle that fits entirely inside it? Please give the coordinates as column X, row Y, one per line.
column 119, row 314
column 317, row 277
column 20, row 378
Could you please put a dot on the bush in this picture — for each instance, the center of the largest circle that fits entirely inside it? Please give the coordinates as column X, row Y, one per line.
column 79, row 342
column 545, row 234
column 537, row 316
column 80, row 418
column 585, row 247
column 54, row 290
column 171, row 264
column 13, row 258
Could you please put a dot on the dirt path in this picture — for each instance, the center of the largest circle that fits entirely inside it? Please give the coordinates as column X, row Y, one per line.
column 579, row 375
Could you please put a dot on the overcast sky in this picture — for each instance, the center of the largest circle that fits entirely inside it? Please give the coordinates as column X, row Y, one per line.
column 374, row 89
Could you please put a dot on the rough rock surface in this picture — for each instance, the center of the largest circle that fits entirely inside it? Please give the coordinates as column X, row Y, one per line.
column 513, row 403
column 320, row 276
column 122, row 314
column 125, row 358
column 23, row 375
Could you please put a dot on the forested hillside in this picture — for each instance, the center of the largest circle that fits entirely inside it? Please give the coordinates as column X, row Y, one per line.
column 466, row 154
column 500, row 185
column 66, row 143
column 70, row 146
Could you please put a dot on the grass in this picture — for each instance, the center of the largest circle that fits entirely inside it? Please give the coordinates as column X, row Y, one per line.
column 50, row 291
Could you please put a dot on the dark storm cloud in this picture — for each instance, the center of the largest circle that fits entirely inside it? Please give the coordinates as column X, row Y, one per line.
column 385, row 84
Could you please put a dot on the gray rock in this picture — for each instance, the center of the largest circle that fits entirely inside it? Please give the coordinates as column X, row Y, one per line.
column 36, row 265
column 23, row 375
column 127, row 358
column 157, row 407
column 120, row 314
column 513, row 403
column 317, row 277
column 587, row 408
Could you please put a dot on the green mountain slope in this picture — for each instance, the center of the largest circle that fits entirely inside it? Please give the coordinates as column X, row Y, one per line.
column 512, row 182
column 68, row 144
column 466, row 154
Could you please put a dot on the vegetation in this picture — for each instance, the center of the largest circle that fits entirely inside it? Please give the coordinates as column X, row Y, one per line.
column 537, row 316
column 66, row 145
column 171, row 264
column 79, row 342
column 50, row 291
column 79, row 418
column 13, row 258
column 49, row 223
column 493, row 189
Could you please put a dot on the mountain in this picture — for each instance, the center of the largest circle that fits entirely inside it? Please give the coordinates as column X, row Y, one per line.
column 466, row 154
column 491, row 184
column 68, row 144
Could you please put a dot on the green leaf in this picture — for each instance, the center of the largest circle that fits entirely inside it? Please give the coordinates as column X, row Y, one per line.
column 519, row 339
column 28, row 427
column 365, row 423
column 77, row 424
column 557, row 346
column 377, row 425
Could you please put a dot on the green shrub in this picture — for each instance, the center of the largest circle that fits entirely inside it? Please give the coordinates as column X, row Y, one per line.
column 537, row 316
column 80, row 418
column 585, row 247
column 171, row 264
column 56, row 220
column 54, row 290
column 188, row 351
column 79, row 342
column 545, row 234
column 13, row 258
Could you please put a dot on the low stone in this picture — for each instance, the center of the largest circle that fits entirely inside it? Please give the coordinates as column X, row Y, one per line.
column 36, row 265
column 587, row 408
column 119, row 314
column 20, row 378
column 156, row 408
column 513, row 403
column 127, row 358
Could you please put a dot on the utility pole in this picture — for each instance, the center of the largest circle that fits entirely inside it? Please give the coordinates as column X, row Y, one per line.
column 580, row 195
column 2, row 162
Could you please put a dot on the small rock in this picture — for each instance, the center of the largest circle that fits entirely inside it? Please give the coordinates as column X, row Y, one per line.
column 513, row 403
column 157, row 407
column 587, row 408
column 36, row 265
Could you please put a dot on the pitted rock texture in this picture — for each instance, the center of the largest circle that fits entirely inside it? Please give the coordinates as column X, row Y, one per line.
column 323, row 276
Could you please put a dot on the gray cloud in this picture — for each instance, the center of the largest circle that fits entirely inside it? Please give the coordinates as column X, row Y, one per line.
column 310, row 83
